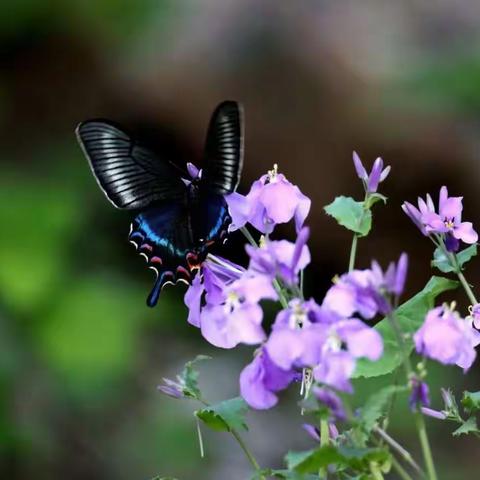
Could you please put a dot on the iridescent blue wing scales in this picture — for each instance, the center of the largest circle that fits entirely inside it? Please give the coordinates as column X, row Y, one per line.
column 162, row 234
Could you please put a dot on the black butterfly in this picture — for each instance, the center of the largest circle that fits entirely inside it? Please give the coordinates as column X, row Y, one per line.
column 177, row 220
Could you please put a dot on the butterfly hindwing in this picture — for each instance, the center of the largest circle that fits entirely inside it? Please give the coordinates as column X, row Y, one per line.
column 130, row 175
column 223, row 149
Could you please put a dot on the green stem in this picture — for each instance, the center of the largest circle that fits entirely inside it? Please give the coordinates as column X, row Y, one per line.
column 243, row 445
column 402, row 473
column 403, row 452
column 353, row 253
column 466, row 287
column 249, row 237
column 427, row 452
column 247, row 452
column 419, row 420
column 452, row 257
column 324, row 441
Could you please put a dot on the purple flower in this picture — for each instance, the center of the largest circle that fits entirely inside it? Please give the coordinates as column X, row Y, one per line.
column 281, row 258
column 447, row 338
column 419, row 396
column 306, row 335
column 347, row 340
column 377, row 175
column 261, row 379
column 314, row 431
column 367, row 291
column 433, row 413
column 171, row 388
column 298, row 335
column 331, row 400
column 216, row 273
column 238, row 318
column 475, row 314
column 272, row 200
column 447, row 223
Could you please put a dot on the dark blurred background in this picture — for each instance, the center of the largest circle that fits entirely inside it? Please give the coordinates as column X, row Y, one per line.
column 80, row 353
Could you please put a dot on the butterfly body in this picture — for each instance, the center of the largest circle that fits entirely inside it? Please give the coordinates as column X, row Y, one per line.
column 177, row 219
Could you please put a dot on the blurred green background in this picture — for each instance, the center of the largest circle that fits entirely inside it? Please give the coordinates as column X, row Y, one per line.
column 80, row 353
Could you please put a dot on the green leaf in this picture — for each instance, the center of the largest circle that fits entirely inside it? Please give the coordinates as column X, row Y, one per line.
column 225, row 416
column 373, row 198
column 410, row 316
column 441, row 261
column 376, row 404
column 471, row 401
column 311, row 461
column 189, row 377
column 350, row 214
column 470, row 426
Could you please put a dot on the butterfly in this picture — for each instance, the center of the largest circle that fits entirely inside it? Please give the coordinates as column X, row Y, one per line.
column 177, row 220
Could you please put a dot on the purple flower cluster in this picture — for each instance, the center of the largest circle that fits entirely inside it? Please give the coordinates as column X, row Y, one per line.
column 321, row 338
column 447, row 338
column 447, row 224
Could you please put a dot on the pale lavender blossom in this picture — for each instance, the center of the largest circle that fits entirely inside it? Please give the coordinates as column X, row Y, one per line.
column 369, row 291
column 272, row 200
column 238, row 318
column 447, row 338
column 475, row 314
column 171, row 388
column 346, row 341
column 430, row 412
column 281, row 258
column 261, row 380
column 377, row 175
column 208, row 285
column 447, row 223
column 307, row 335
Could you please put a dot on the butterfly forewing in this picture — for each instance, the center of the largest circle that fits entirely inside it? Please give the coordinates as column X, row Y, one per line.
column 131, row 176
column 224, row 149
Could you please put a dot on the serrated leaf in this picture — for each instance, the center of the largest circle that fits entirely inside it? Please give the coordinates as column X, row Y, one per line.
column 410, row 316
column 376, row 404
column 311, row 461
column 225, row 416
column 351, row 215
column 441, row 261
column 471, row 401
column 189, row 377
column 470, row 426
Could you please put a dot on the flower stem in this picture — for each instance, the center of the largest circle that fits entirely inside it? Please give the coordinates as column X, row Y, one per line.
column 353, row 253
column 249, row 237
column 247, row 452
column 404, row 453
column 419, row 420
column 427, row 452
column 467, row 288
column 402, row 473
column 324, row 441
column 243, row 445
column 452, row 257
